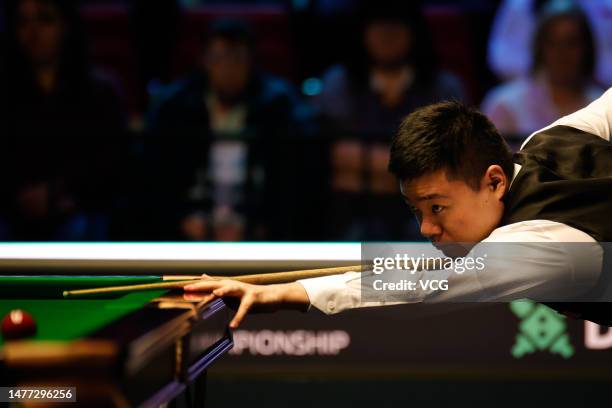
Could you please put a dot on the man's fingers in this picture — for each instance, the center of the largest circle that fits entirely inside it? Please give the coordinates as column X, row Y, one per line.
column 231, row 290
column 245, row 305
column 205, row 285
column 192, row 296
column 198, row 297
column 223, row 288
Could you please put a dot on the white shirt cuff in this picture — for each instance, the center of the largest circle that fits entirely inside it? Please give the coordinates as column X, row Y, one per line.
column 334, row 293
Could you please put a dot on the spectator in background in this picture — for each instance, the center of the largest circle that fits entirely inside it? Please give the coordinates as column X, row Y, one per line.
column 393, row 72
column 216, row 145
column 561, row 80
column 62, row 129
column 154, row 27
column 514, row 26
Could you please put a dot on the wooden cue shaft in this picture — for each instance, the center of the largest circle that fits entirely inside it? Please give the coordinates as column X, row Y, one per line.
column 292, row 276
column 259, row 279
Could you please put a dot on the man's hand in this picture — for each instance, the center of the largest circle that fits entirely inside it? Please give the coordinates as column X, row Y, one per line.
column 262, row 297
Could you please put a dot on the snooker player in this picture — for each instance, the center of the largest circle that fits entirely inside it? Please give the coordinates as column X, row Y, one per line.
column 464, row 185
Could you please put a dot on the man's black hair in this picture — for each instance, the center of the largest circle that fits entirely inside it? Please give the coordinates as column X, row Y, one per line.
column 74, row 66
column 232, row 31
column 448, row 135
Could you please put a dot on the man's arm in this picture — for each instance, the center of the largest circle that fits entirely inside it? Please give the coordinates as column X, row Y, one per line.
column 595, row 118
column 536, row 269
column 536, row 259
column 530, row 259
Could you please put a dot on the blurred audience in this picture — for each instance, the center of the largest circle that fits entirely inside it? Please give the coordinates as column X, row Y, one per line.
column 393, row 72
column 62, row 129
column 560, row 81
column 227, row 152
column 217, row 144
column 514, row 27
column 155, row 30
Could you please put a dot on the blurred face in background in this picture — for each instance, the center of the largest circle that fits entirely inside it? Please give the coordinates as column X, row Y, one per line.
column 388, row 42
column 563, row 50
column 228, row 67
column 40, row 31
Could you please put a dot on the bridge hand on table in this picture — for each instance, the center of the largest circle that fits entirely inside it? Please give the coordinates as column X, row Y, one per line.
column 270, row 297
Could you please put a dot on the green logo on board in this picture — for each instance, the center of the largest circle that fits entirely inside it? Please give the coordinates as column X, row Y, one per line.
column 541, row 328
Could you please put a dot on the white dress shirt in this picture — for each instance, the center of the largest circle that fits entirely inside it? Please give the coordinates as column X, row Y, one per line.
column 540, row 270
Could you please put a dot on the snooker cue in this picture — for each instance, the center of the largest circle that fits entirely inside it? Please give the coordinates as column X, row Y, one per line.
column 257, row 279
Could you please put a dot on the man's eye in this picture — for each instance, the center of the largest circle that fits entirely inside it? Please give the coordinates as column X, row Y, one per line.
column 436, row 209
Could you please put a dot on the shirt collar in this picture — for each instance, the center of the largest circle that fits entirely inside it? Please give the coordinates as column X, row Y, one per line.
column 517, row 168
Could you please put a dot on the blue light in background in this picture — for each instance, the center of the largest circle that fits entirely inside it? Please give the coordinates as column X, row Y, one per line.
column 300, row 4
column 312, row 86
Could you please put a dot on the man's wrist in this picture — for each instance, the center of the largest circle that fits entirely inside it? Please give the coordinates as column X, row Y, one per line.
column 291, row 295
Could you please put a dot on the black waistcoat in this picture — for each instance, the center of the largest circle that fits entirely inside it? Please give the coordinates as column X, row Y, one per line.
column 566, row 177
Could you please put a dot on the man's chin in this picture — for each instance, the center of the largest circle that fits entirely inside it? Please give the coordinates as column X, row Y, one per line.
column 230, row 98
column 454, row 249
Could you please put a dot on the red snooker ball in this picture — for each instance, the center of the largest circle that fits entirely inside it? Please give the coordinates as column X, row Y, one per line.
column 18, row 324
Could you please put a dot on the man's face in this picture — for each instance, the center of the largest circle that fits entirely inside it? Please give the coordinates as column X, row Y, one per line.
column 564, row 51
column 388, row 43
column 450, row 211
column 228, row 66
column 40, row 31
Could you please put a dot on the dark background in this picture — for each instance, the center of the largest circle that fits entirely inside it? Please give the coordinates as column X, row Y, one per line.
column 130, row 182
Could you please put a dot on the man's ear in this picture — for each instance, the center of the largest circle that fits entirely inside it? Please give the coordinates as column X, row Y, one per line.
column 496, row 180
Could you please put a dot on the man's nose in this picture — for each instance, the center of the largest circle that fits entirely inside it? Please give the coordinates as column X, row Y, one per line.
column 430, row 230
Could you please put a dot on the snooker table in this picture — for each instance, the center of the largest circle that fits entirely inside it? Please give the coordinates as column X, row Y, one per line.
column 136, row 349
